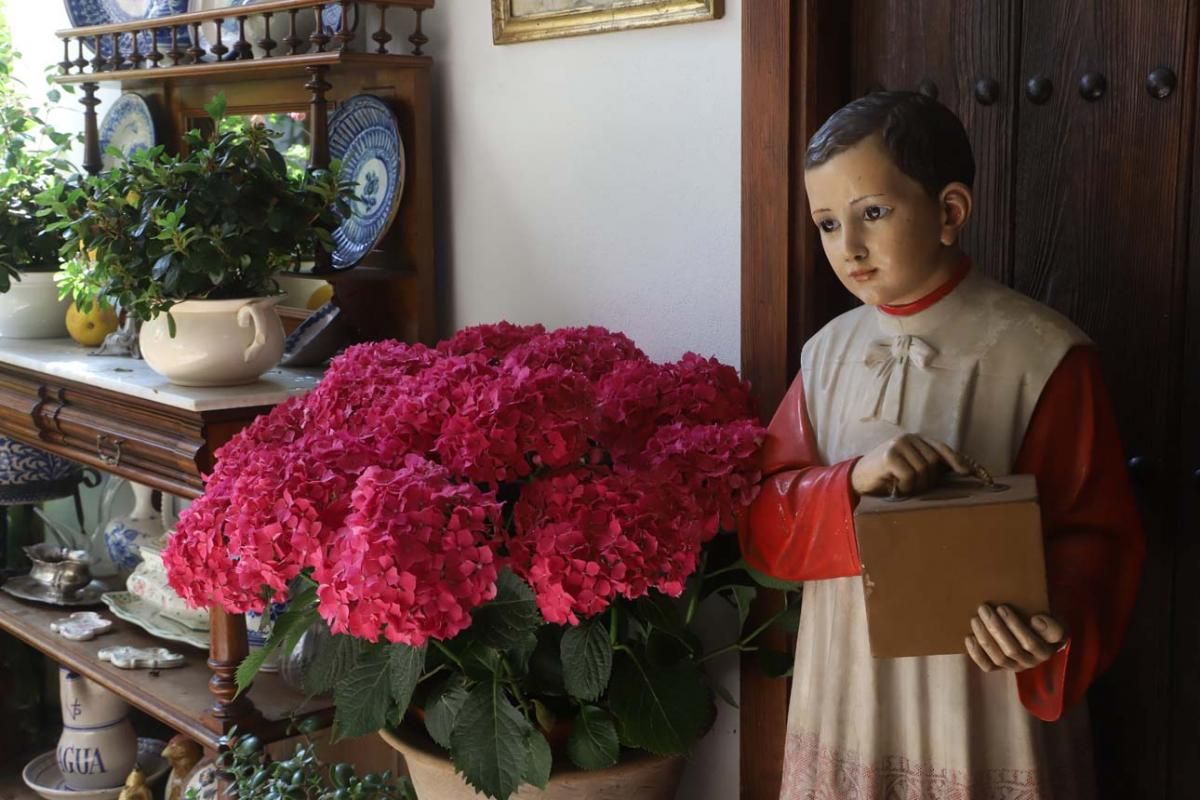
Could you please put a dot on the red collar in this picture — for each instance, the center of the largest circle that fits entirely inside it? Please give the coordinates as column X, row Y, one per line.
column 908, row 309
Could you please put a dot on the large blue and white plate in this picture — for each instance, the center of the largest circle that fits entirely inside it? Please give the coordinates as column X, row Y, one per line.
column 128, row 126
column 365, row 137
column 331, row 19
column 84, row 13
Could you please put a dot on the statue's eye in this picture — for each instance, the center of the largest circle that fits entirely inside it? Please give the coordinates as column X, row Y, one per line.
column 873, row 213
column 828, row 225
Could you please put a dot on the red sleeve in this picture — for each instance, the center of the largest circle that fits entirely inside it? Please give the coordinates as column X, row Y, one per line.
column 801, row 525
column 1094, row 543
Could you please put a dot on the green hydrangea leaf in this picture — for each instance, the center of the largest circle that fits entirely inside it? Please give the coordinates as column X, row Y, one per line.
column 664, row 711
column 510, row 617
column 405, row 665
column 490, row 742
column 334, row 660
column 442, row 707
column 359, row 695
column 593, row 743
column 541, row 760
column 587, row 659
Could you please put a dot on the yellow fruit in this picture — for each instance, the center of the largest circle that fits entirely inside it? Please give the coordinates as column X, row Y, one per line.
column 90, row 329
column 320, row 297
column 133, row 198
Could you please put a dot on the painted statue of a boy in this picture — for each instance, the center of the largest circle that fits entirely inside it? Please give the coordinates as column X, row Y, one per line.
column 939, row 361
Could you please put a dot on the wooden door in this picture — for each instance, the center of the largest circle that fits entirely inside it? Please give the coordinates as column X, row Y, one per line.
column 1083, row 200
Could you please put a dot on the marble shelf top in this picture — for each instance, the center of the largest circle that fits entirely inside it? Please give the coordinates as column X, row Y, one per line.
column 63, row 358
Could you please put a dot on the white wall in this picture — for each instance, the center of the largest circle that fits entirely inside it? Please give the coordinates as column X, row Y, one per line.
column 593, row 180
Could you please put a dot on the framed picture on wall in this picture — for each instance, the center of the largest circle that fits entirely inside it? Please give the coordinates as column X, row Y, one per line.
column 531, row 20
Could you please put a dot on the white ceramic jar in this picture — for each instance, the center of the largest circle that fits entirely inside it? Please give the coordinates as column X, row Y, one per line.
column 98, row 746
column 30, row 309
column 216, row 342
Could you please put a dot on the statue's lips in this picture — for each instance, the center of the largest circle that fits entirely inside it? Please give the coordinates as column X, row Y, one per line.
column 862, row 275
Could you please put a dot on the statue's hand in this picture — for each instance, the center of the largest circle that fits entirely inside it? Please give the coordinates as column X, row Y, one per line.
column 905, row 464
column 1002, row 640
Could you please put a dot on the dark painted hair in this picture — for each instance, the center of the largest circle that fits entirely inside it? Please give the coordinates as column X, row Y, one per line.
column 926, row 141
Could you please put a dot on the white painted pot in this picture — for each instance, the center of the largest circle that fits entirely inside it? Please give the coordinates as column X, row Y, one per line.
column 30, row 309
column 98, row 747
column 216, row 342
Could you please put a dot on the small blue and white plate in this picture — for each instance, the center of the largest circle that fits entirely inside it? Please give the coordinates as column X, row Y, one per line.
column 365, row 137
column 128, row 126
column 84, row 13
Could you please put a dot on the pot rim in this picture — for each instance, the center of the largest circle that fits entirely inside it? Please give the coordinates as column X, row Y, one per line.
column 203, row 306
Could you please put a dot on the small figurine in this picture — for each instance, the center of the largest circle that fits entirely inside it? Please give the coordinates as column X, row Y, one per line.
column 140, row 657
column 135, row 787
column 82, row 626
column 183, row 754
column 939, row 362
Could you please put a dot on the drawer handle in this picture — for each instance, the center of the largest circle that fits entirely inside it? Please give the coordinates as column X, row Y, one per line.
column 108, row 450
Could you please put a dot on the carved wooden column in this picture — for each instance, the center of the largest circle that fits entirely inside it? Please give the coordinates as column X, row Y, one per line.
column 226, row 650
column 91, row 130
column 318, row 132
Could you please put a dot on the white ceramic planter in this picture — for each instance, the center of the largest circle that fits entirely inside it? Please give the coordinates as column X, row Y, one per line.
column 98, row 747
column 30, row 309
column 216, row 342
column 643, row 777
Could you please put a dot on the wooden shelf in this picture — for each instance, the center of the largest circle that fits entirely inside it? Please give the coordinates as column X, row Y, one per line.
column 218, row 73
column 178, row 697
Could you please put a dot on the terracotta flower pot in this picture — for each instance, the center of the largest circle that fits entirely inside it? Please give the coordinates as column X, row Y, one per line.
column 642, row 777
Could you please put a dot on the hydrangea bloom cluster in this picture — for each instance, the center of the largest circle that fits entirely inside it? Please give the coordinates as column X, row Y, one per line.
column 410, row 476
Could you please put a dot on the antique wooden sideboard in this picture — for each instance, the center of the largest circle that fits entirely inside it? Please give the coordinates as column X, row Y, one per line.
column 117, row 415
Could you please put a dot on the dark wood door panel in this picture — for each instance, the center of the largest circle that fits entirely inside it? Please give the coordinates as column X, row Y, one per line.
column 947, row 47
column 1097, row 191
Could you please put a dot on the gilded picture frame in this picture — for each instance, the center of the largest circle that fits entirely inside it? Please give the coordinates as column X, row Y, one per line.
column 532, row 20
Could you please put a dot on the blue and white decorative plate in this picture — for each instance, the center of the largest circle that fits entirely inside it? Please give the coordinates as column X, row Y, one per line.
column 84, row 13
column 128, row 126
column 365, row 137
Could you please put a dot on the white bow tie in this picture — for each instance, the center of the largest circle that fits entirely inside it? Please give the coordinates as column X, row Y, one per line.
column 890, row 359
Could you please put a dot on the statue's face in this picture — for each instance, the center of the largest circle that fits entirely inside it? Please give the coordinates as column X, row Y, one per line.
column 889, row 242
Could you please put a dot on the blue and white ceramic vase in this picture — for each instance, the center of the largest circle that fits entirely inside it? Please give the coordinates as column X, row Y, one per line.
column 98, row 746
column 258, row 631
column 124, row 535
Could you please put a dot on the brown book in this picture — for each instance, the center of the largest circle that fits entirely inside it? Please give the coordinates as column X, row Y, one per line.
column 930, row 560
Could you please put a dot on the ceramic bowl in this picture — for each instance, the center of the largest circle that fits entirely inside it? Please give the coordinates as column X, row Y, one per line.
column 43, row 776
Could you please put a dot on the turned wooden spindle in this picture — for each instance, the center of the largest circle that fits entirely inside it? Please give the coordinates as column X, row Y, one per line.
column 155, row 54
column 135, row 52
column 219, row 49
column 176, row 55
column 196, row 52
column 81, row 61
column 115, row 59
column 319, row 37
column 419, row 39
column 242, row 50
column 97, row 59
column 382, row 36
column 343, row 37
column 227, row 648
column 64, row 66
column 293, row 40
column 318, row 133
column 267, row 43
column 91, row 130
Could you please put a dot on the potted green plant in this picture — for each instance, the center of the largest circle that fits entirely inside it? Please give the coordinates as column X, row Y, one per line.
column 31, row 161
column 190, row 244
column 502, row 547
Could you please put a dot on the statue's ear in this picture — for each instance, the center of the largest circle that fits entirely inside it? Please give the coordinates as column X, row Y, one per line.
column 956, row 202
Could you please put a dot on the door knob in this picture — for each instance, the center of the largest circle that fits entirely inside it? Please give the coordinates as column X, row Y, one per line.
column 1139, row 469
column 987, row 91
column 1160, row 83
column 1196, row 478
column 1092, row 86
column 1038, row 89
